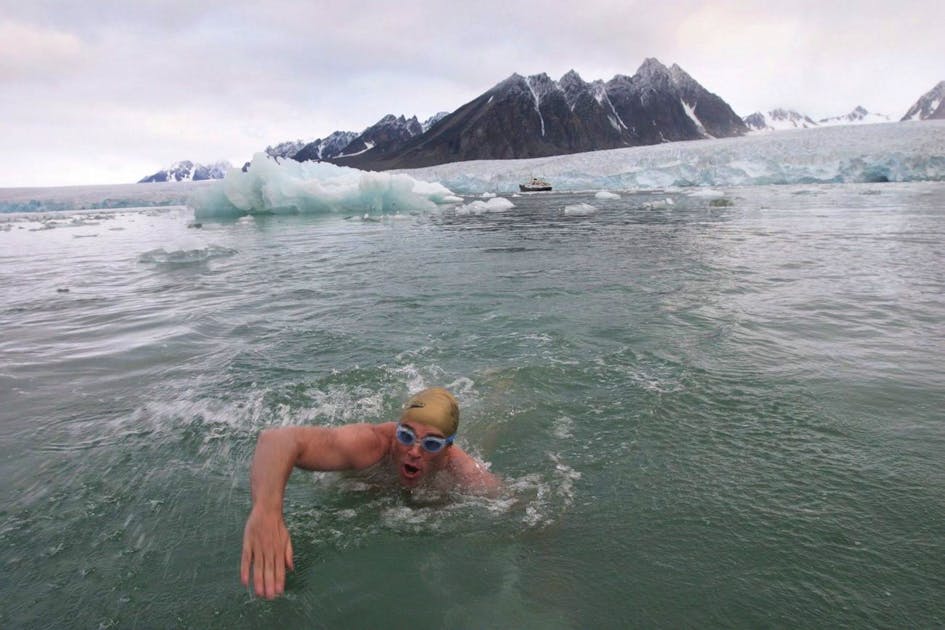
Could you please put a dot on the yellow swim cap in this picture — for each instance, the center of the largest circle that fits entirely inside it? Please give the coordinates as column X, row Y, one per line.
column 435, row 407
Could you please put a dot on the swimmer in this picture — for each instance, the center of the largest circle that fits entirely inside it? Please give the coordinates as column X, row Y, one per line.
column 417, row 448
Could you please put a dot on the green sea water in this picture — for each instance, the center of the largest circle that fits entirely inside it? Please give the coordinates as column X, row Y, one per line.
column 709, row 411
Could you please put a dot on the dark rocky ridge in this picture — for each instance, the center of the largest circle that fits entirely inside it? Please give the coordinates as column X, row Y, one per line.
column 524, row 117
column 930, row 106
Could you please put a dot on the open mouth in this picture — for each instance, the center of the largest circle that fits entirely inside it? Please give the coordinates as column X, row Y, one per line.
column 410, row 471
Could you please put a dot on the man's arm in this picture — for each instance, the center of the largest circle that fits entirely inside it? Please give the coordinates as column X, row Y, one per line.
column 267, row 547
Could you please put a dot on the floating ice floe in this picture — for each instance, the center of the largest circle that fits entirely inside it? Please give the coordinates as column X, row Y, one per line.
column 604, row 194
column 495, row 204
column 579, row 209
column 285, row 186
column 708, row 193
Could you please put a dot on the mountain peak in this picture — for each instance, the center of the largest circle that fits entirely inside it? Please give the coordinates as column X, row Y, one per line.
column 574, row 87
column 651, row 66
column 680, row 77
column 432, row 120
column 779, row 118
column 541, row 84
column 186, row 171
column 653, row 76
column 512, row 79
column 930, row 105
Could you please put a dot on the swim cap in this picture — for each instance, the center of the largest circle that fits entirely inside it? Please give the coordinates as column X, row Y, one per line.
column 435, row 407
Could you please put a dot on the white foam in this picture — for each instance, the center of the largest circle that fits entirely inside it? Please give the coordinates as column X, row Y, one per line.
column 562, row 428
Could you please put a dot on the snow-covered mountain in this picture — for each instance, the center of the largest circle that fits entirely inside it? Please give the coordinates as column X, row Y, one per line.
column 536, row 116
column 930, row 105
column 185, row 171
column 778, row 119
column 432, row 120
column 325, row 148
column 859, row 116
column 388, row 130
column 286, row 149
column 384, row 137
column 789, row 119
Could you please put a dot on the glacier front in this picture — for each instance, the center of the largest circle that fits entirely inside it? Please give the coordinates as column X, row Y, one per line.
column 893, row 152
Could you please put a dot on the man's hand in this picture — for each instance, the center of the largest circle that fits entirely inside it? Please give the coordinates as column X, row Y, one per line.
column 268, row 549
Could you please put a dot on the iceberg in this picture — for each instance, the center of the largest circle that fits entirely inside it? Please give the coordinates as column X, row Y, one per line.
column 274, row 186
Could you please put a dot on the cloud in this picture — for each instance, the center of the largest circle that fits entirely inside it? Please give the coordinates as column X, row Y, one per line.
column 33, row 53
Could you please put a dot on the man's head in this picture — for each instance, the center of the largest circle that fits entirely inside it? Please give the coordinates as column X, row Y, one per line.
column 434, row 407
column 423, row 435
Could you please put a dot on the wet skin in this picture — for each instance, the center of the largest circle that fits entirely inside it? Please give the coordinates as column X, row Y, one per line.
column 267, row 547
column 414, row 462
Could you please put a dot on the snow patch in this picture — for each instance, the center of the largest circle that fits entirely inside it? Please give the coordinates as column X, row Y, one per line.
column 531, row 88
column 691, row 112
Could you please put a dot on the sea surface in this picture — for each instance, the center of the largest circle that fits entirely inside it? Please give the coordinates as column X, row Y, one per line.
column 710, row 409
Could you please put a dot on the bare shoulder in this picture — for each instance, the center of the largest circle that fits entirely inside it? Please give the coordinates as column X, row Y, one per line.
column 471, row 473
column 352, row 446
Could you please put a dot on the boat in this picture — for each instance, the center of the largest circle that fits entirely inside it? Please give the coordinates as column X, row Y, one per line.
column 537, row 184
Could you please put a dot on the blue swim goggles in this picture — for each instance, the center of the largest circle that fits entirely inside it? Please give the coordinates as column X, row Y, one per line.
column 430, row 443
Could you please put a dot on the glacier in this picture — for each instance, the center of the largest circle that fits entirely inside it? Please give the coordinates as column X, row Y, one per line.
column 892, row 152
column 886, row 152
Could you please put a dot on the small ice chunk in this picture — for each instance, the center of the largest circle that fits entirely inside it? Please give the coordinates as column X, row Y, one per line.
column 496, row 204
column 707, row 192
column 579, row 209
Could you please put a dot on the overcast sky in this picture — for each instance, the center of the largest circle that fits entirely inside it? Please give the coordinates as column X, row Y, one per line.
column 108, row 91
